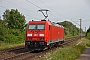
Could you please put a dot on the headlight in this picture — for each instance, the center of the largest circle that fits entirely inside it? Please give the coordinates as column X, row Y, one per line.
column 41, row 35
column 29, row 34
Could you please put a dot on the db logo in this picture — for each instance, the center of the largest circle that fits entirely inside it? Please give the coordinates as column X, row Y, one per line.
column 35, row 34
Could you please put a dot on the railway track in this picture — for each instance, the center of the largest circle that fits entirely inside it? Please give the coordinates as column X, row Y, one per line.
column 12, row 49
column 25, row 54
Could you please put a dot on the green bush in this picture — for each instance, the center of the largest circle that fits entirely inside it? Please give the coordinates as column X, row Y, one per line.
column 13, row 36
column 88, row 35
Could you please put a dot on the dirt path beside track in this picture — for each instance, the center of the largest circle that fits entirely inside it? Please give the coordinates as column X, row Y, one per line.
column 85, row 54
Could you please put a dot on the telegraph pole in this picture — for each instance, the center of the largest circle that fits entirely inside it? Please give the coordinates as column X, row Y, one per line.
column 85, row 31
column 80, row 29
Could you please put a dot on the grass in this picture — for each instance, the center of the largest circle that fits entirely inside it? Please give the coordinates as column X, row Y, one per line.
column 69, row 52
column 4, row 46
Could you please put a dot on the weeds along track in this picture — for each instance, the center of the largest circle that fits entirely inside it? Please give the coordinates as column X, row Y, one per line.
column 12, row 49
column 70, row 40
column 22, row 53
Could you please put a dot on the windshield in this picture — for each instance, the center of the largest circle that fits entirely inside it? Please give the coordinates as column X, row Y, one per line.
column 37, row 26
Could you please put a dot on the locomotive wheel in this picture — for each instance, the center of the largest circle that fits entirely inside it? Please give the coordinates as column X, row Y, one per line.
column 50, row 46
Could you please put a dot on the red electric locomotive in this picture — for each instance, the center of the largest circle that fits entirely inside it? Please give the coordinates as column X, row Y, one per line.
column 43, row 34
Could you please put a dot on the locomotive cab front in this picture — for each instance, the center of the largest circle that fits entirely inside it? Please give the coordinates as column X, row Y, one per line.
column 36, row 35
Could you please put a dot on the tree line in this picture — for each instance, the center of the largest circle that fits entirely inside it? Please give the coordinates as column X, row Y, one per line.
column 12, row 27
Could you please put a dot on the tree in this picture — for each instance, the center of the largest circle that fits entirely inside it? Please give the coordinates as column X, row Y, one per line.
column 6, row 14
column 88, row 30
column 88, row 33
column 2, row 29
column 14, row 19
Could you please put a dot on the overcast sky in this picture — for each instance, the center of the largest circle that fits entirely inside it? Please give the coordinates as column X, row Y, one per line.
column 60, row 10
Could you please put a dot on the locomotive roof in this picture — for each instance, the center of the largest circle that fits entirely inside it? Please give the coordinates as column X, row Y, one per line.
column 42, row 21
column 49, row 22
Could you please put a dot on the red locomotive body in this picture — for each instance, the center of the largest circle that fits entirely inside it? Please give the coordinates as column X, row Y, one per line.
column 41, row 34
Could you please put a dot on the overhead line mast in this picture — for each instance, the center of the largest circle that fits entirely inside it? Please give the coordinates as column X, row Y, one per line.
column 80, row 29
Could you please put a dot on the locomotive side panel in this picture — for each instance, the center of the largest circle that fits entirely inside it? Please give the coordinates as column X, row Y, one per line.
column 56, row 34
